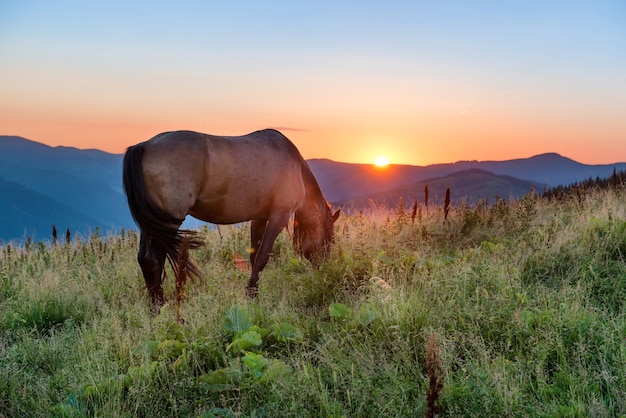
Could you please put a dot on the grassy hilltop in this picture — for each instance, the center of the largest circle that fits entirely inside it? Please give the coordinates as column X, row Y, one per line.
column 517, row 309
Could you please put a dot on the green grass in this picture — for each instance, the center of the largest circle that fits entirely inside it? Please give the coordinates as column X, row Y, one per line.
column 525, row 299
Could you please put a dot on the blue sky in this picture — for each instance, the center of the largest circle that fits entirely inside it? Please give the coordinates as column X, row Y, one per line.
column 420, row 82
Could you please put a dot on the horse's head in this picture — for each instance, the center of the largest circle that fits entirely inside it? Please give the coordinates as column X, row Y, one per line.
column 314, row 231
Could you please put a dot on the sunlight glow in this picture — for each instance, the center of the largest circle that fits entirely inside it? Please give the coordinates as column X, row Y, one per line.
column 381, row 161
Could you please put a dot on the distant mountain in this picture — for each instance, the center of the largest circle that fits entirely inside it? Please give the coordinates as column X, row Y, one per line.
column 32, row 214
column 82, row 189
column 97, row 165
column 67, row 187
column 341, row 181
column 465, row 186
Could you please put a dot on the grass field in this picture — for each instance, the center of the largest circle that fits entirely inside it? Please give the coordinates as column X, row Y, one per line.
column 516, row 309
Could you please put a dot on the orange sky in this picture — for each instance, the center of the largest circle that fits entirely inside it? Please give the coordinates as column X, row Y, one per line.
column 436, row 83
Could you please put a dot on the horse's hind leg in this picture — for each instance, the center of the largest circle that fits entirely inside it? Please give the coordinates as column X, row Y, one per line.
column 151, row 262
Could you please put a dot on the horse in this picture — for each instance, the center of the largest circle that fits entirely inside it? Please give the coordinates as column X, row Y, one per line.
column 260, row 177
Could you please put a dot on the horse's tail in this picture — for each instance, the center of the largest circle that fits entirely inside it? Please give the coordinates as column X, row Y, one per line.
column 159, row 226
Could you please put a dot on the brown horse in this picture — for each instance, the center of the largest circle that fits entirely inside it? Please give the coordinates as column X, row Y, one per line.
column 259, row 177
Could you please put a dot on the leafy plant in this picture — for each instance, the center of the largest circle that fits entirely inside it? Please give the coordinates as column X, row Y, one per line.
column 525, row 298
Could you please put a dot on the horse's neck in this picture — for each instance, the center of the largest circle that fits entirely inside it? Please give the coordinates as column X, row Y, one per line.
column 311, row 211
column 314, row 202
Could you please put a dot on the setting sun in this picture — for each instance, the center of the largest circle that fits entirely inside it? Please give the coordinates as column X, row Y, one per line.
column 381, row 161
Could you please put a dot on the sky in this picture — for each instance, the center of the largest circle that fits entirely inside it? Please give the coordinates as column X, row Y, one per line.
column 418, row 82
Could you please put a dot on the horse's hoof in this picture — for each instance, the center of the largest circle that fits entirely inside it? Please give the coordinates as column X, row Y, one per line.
column 252, row 292
column 155, row 308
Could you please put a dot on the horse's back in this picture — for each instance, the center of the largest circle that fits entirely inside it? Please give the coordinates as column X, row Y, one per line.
column 267, row 145
column 172, row 167
column 223, row 179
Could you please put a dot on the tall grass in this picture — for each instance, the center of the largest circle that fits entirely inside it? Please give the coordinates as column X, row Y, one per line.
column 512, row 309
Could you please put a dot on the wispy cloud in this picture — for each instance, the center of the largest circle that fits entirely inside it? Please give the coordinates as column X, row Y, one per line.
column 286, row 128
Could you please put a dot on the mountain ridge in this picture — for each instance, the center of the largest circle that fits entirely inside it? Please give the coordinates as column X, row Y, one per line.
column 550, row 169
column 466, row 186
column 86, row 184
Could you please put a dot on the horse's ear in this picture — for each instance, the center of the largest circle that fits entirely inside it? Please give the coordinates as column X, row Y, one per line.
column 336, row 215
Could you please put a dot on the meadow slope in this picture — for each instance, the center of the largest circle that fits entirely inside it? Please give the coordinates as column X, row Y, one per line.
column 517, row 309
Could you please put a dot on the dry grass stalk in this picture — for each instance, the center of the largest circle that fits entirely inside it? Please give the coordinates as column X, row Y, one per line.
column 435, row 376
column 181, row 273
column 400, row 208
column 446, row 205
column 414, row 212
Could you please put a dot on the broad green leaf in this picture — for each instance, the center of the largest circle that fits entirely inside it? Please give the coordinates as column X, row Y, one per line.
column 262, row 331
column 173, row 332
column 367, row 314
column 221, row 380
column 171, row 349
column 247, row 341
column 275, row 371
column 340, row 312
column 286, row 333
column 72, row 400
column 237, row 319
column 256, row 363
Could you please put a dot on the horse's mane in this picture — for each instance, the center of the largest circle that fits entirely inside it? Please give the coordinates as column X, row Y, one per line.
column 313, row 196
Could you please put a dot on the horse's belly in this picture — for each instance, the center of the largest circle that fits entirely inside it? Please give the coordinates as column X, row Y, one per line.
column 251, row 192
column 229, row 211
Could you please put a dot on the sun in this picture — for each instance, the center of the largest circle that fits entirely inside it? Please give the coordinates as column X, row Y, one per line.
column 381, row 161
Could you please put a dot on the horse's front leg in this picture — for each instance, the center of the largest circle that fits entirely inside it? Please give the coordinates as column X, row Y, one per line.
column 257, row 229
column 151, row 262
column 276, row 223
